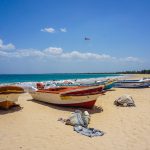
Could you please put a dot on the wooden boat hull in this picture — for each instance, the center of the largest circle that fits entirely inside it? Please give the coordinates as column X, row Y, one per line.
column 89, row 104
column 80, row 101
column 8, row 100
column 9, row 95
column 6, row 104
column 76, row 98
column 109, row 85
column 131, row 84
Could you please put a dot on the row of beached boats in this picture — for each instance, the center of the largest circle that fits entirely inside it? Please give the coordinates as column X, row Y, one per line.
column 143, row 83
column 83, row 95
column 107, row 83
column 80, row 96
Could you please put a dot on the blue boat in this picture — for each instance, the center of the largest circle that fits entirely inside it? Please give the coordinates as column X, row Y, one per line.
column 109, row 85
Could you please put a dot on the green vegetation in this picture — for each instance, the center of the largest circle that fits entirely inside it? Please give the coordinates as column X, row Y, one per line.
column 135, row 72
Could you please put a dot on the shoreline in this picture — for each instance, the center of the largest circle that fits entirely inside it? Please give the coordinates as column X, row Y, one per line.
column 119, row 76
column 74, row 79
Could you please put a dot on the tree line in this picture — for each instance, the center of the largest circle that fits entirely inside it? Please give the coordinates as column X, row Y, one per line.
column 135, row 72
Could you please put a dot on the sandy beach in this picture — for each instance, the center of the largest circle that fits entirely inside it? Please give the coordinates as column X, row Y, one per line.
column 35, row 125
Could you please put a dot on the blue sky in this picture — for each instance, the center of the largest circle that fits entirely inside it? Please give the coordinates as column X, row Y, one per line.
column 47, row 36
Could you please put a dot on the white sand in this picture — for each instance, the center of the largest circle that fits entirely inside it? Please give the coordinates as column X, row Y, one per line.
column 35, row 126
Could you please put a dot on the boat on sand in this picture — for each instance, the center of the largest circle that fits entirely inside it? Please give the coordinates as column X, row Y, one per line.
column 69, row 96
column 9, row 95
column 108, row 84
column 132, row 83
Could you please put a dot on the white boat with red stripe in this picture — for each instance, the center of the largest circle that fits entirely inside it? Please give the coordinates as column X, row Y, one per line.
column 69, row 96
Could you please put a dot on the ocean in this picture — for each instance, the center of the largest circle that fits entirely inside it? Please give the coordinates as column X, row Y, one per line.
column 14, row 78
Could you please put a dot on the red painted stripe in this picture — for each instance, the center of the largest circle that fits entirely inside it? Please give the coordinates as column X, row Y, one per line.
column 85, row 92
column 89, row 104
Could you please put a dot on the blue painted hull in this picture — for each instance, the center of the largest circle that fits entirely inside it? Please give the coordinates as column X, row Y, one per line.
column 109, row 86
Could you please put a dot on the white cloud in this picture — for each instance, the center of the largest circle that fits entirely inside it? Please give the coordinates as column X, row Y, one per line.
column 52, row 30
column 49, row 30
column 23, row 53
column 1, row 42
column 53, row 51
column 29, row 53
column 2, row 53
column 79, row 55
column 133, row 59
column 63, row 29
column 9, row 46
column 130, row 59
column 58, row 52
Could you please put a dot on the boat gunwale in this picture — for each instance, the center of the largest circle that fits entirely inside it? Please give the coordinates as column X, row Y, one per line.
column 65, row 90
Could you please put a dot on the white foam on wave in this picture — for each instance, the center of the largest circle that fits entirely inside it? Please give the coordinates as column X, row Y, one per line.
column 52, row 83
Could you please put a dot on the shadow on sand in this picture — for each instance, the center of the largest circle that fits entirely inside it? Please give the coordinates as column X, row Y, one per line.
column 95, row 109
column 14, row 108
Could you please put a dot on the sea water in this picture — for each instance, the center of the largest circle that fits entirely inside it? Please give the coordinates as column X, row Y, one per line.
column 15, row 78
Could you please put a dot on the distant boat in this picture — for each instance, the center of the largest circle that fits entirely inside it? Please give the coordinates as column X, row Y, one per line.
column 69, row 96
column 146, row 80
column 132, row 84
column 108, row 84
column 9, row 95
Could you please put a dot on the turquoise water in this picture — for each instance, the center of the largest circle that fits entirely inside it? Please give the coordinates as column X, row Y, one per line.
column 12, row 78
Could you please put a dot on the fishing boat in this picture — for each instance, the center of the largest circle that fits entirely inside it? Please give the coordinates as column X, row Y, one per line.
column 9, row 95
column 108, row 84
column 69, row 96
column 146, row 80
column 131, row 84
